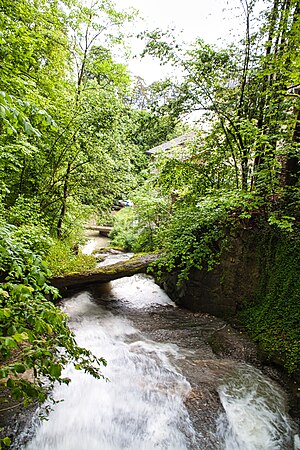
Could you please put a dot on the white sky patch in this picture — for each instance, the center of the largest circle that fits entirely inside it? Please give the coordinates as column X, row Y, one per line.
column 215, row 21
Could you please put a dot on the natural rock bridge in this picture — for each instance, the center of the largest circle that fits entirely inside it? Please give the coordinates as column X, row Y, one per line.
column 136, row 264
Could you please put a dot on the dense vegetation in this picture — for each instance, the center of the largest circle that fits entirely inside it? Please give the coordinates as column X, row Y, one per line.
column 74, row 127
column 72, row 139
column 241, row 171
column 273, row 319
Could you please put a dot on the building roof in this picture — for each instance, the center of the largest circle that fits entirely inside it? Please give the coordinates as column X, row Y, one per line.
column 177, row 142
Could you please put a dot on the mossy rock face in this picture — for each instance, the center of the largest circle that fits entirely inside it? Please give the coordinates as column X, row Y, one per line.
column 136, row 264
column 273, row 318
column 256, row 284
column 222, row 290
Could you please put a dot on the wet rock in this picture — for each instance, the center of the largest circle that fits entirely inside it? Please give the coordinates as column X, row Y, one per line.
column 231, row 343
column 14, row 417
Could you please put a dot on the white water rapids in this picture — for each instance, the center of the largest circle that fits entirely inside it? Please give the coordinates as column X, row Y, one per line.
column 254, row 417
column 143, row 405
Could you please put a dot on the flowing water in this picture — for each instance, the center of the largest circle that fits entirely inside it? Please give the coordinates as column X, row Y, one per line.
column 95, row 241
column 166, row 388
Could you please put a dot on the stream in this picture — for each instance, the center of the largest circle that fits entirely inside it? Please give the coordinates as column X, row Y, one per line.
column 166, row 388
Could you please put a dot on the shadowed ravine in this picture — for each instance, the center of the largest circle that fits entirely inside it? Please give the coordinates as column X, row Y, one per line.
column 166, row 389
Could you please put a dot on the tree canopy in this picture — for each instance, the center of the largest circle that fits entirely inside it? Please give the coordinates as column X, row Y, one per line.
column 74, row 128
column 72, row 143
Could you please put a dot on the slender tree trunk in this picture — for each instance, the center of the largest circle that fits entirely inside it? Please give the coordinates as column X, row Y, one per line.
column 69, row 166
column 22, row 177
column 64, row 202
column 266, row 82
column 291, row 169
column 274, row 84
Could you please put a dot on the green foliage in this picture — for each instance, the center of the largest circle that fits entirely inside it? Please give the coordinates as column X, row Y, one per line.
column 34, row 334
column 35, row 238
column 191, row 241
column 66, row 140
column 184, row 214
column 5, row 441
column 12, row 116
column 284, row 223
column 76, row 216
column 195, row 234
column 24, row 211
column 61, row 259
column 249, row 92
column 137, row 228
column 273, row 318
column 152, row 210
column 123, row 234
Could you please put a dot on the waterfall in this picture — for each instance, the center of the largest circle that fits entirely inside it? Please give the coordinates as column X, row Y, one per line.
column 144, row 403
column 254, row 415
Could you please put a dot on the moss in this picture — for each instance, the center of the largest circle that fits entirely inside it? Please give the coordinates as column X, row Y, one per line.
column 103, row 274
column 273, row 318
column 62, row 260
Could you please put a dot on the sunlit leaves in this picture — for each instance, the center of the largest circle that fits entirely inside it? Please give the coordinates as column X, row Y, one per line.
column 31, row 327
column 12, row 116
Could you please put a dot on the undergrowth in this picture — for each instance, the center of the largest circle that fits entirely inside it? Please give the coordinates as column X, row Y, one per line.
column 61, row 259
column 273, row 319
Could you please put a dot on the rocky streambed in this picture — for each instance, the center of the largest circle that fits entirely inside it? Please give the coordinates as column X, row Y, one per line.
column 171, row 386
column 177, row 380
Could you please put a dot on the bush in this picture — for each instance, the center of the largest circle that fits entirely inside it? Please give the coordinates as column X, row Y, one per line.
column 61, row 259
column 24, row 211
column 34, row 334
column 34, row 237
column 124, row 233
column 136, row 228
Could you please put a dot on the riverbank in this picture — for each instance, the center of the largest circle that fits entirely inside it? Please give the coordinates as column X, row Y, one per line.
column 222, row 349
column 164, row 374
column 210, row 351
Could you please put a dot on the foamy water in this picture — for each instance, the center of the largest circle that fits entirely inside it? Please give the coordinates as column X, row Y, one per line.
column 142, row 406
column 255, row 415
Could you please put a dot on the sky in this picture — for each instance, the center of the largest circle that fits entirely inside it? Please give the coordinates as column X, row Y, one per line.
column 215, row 21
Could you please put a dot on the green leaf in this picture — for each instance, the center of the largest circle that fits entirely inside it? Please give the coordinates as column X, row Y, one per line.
column 6, row 441
column 10, row 383
column 3, row 373
column 20, row 337
column 5, row 312
column 9, row 342
column 55, row 370
column 19, row 368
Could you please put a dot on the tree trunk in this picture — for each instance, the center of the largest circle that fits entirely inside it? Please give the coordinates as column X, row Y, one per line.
column 291, row 170
column 64, row 202
column 136, row 264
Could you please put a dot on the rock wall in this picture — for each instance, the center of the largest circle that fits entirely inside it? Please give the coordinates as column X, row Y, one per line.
column 261, row 270
column 222, row 290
